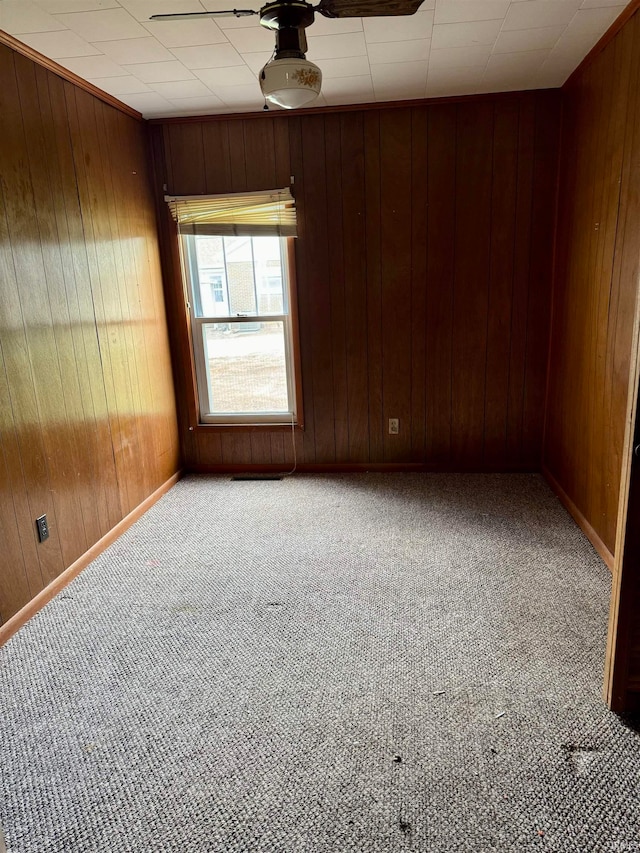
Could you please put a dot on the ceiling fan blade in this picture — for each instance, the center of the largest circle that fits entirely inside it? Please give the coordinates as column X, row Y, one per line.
column 188, row 16
column 366, row 8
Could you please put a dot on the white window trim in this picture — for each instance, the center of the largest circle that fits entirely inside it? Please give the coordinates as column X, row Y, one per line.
column 203, row 377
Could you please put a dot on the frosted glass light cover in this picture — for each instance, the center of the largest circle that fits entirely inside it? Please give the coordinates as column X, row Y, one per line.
column 290, row 83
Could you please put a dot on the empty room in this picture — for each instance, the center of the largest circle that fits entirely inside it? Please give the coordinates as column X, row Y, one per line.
column 319, row 465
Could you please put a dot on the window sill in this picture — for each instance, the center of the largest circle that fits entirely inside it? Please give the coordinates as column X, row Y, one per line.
column 257, row 427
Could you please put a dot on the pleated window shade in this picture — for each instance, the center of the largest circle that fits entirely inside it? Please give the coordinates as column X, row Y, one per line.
column 266, row 213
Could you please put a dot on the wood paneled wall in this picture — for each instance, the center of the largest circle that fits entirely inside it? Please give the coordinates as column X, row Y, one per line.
column 87, row 410
column 423, row 270
column 596, row 280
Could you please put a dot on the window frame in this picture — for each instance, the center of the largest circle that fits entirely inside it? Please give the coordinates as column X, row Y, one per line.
column 200, row 381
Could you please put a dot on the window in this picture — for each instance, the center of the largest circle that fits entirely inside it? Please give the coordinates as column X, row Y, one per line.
column 242, row 325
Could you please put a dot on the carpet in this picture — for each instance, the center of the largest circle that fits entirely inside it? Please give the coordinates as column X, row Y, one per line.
column 369, row 662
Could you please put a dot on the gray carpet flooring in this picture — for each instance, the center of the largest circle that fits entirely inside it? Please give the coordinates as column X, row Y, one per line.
column 372, row 663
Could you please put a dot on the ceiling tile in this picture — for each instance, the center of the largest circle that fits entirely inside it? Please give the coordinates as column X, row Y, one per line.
column 251, row 39
column 159, row 72
column 474, row 45
column 344, row 98
column 149, row 103
column 60, row 44
column 256, row 61
column 21, row 16
column 224, row 5
column 514, row 67
column 335, row 47
column 126, row 85
column 398, row 51
column 576, row 43
column 238, row 75
column 59, row 6
column 134, row 50
column 181, row 89
column 246, row 96
column 503, row 85
column 555, row 71
column 533, row 13
column 198, row 105
column 458, row 11
column 399, row 80
column 92, row 67
column 459, row 57
column 595, row 20
column 100, row 26
column 185, row 33
column 208, row 56
column 510, row 41
column 409, row 27
column 465, row 35
column 143, row 9
column 337, row 86
column 450, row 81
column 334, row 26
column 234, row 23
column 400, row 92
column 590, row 4
column 348, row 66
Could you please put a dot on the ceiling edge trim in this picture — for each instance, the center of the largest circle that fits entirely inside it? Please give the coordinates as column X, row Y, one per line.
column 350, row 108
column 51, row 65
column 604, row 40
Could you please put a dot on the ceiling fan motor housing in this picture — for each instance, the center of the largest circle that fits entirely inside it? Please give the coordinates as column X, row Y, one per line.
column 289, row 20
column 284, row 15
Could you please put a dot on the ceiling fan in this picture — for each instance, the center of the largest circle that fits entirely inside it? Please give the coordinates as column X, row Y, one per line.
column 289, row 79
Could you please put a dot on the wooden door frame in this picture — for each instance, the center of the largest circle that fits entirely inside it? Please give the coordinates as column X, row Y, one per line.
column 625, row 589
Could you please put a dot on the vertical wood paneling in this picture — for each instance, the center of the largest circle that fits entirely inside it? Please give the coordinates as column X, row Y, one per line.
column 395, row 269
column 540, row 277
column 474, row 172
column 373, row 214
column 336, row 280
column 87, row 422
column 503, row 215
column 441, row 227
column 595, row 283
column 315, row 245
column 419, row 294
column 419, row 242
column 352, row 195
column 521, row 278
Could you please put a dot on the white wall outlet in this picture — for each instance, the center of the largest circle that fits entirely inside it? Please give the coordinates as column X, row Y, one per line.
column 394, row 426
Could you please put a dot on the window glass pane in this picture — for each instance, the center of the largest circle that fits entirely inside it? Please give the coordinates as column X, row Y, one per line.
column 268, row 272
column 246, row 367
column 242, row 289
column 211, row 297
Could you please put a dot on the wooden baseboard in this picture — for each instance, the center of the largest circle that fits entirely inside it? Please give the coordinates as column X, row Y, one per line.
column 12, row 625
column 579, row 519
column 349, row 468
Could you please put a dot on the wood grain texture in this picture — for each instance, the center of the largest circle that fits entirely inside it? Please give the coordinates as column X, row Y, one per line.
column 22, row 616
column 87, row 409
column 420, row 296
column 63, row 73
column 596, row 281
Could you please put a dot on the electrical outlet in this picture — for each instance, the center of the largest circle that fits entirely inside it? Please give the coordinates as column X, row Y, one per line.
column 394, row 426
column 43, row 528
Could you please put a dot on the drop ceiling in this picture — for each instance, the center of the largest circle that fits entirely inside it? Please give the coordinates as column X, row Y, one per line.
column 449, row 47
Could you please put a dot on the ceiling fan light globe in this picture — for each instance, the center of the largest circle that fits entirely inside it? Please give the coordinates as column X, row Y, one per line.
column 290, row 83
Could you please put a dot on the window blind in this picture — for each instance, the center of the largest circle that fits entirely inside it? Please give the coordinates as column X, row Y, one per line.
column 269, row 213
